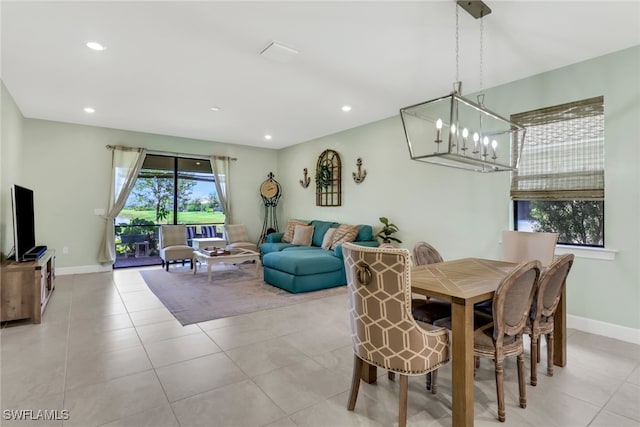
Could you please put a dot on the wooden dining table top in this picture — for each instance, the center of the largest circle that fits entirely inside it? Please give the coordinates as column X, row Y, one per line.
column 468, row 279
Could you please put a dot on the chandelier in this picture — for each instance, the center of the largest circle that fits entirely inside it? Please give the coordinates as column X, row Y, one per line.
column 457, row 132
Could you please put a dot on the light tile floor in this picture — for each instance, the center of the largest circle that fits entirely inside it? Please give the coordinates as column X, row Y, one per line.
column 110, row 353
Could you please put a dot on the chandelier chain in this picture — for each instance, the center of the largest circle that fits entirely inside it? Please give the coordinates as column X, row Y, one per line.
column 457, row 47
column 481, row 51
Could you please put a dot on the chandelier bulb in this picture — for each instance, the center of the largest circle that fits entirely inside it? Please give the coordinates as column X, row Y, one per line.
column 453, row 129
column 439, row 124
column 465, row 132
column 485, row 141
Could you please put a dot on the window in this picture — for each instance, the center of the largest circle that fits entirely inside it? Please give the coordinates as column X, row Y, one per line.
column 559, row 183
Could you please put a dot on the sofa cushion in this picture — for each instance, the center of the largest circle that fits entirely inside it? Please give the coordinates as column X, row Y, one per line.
column 287, row 237
column 303, row 248
column 274, row 237
column 311, row 282
column 302, row 235
column 320, row 229
column 344, row 233
column 328, row 238
column 266, row 248
column 365, row 232
column 304, row 262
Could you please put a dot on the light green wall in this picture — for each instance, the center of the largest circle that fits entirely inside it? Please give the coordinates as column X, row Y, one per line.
column 68, row 166
column 10, row 163
column 462, row 213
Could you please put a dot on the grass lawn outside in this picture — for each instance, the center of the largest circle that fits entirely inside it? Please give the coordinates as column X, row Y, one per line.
column 183, row 217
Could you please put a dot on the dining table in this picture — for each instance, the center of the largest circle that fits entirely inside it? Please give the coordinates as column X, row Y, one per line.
column 465, row 282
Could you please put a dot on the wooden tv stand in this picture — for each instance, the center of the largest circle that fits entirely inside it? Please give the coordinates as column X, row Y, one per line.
column 25, row 288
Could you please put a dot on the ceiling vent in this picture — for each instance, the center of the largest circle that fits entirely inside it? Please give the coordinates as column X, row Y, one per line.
column 279, row 52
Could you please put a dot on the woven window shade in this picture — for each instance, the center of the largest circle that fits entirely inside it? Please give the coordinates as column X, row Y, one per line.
column 563, row 154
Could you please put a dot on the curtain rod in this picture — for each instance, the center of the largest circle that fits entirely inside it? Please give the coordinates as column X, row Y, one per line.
column 164, row 153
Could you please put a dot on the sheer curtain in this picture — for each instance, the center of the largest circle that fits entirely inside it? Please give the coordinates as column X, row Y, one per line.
column 220, row 166
column 125, row 167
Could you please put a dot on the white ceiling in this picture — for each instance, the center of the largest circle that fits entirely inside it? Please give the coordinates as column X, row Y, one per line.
column 167, row 63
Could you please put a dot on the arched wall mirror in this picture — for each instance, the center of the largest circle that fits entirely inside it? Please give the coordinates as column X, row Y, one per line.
column 329, row 179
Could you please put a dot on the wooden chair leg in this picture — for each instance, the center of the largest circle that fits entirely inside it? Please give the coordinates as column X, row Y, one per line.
column 549, row 354
column 500, row 389
column 355, row 382
column 429, row 380
column 538, row 351
column 391, row 376
column 434, row 381
column 521, row 384
column 167, row 266
column 402, row 401
column 534, row 364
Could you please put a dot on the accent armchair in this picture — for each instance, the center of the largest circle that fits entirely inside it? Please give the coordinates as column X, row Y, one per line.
column 173, row 245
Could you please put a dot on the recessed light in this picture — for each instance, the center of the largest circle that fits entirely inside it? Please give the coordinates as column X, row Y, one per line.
column 215, row 108
column 268, row 137
column 89, row 110
column 346, row 108
column 95, row 46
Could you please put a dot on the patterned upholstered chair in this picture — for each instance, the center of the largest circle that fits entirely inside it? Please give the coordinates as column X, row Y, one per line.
column 237, row 237
column 173, row 245
column 383, row 331
column 545, row 303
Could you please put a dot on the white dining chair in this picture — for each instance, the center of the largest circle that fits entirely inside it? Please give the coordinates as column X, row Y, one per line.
column 519, row 246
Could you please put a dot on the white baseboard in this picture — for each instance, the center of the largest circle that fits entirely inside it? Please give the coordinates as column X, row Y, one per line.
column 622, row 333
column 84, row 269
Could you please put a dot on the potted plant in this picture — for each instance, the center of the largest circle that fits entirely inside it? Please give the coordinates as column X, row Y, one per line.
column 387, row 230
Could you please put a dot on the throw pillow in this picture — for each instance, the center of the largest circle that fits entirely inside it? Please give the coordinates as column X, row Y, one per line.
column 302, row 235
column 236, row 233
column 344, row 233
column 328, row 238
column 287, row 237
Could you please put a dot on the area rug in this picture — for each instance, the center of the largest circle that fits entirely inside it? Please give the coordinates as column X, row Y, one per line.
column 233, row 290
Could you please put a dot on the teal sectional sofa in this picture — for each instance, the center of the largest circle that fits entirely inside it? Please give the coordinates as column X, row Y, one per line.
column 308, row 268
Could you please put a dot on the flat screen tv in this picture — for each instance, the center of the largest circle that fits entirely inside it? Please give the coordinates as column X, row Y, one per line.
column 24, row 233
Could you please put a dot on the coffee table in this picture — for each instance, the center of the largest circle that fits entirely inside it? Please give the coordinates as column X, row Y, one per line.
column 203, row 242
column 237, row 256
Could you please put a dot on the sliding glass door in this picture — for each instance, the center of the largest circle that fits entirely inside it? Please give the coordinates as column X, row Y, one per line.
column 169, row 190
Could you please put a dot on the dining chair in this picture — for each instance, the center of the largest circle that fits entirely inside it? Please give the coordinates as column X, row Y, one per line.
column 545, row 302
column 424, row 253
column 428, row 310
column 518, row 246
column 173, row 245
column 383, row 331
column 500, row 335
